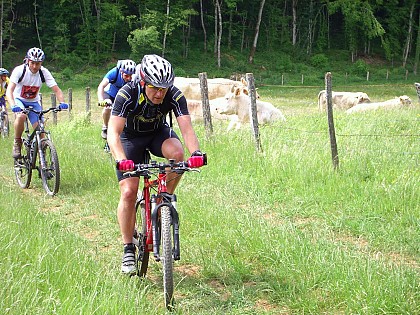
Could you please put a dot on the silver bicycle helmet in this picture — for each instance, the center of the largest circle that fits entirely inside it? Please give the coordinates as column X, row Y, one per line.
column 127, row 66
column 4, row 71
column 157, row 71
column 35, row 54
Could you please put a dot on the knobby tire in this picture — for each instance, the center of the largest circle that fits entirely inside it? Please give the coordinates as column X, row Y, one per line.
column 23, row 168
column 4, row 133
column 142, row 263
column 166, row 257
column 50, row 175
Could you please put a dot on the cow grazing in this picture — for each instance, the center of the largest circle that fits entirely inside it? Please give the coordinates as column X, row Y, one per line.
column 217, row 87
column 237, row 104
column 342, row 100
column 398, row 102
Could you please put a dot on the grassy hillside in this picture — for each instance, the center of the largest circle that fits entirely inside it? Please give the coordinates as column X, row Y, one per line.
column 271, row 232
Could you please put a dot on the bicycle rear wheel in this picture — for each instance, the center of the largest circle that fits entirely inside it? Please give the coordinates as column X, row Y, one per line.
column 50, row 175
column 166, row 257
column 143, row 253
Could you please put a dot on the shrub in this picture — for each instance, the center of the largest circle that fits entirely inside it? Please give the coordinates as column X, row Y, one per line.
column 359, row 68
column 319, row 61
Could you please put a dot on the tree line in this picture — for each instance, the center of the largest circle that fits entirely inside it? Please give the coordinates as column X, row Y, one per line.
column 89, row 32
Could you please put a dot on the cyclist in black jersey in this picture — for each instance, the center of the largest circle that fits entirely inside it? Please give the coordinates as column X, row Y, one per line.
column 138, row 121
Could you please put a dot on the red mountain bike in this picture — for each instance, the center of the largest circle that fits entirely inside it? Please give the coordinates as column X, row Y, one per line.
column 157, row 220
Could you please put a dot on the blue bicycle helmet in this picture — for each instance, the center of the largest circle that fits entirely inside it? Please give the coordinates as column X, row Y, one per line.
column 4, row 71
column 127, row 66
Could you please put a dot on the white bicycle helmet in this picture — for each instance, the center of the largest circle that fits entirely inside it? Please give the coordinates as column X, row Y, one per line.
column 157, row 71
column 4, row 71
column 127, row 66
column 35, row 54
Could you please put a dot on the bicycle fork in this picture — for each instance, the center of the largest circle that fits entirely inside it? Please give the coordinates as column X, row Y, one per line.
column 43, row 163
column 169, row 200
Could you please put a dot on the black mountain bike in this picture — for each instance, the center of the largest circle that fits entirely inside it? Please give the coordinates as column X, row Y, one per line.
column 4, row 121
column 38, row 152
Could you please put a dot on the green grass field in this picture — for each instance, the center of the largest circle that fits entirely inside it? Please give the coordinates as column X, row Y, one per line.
column 272, row 232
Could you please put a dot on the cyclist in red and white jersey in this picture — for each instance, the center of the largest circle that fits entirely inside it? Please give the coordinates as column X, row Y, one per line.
column 23, row 91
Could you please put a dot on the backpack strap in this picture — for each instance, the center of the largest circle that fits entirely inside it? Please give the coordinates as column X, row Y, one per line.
column 41, row 74
column 23, row 73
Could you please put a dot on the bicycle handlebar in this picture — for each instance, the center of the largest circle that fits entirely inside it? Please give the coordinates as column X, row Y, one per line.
column 145, row 169
column 39, row 112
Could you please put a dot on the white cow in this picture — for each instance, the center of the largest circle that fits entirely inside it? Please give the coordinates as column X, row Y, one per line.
column 398, row 102
column 195, row 108
column 342, row 100
column 217, row 87
column 237, row 104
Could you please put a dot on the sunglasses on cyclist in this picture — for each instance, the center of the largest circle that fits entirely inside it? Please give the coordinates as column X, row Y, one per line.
column 156, row 89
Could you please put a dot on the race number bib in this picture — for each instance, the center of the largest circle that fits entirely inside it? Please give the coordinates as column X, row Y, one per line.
column 29, row 92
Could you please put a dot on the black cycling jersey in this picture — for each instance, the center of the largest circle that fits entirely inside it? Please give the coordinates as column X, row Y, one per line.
column 142, row 116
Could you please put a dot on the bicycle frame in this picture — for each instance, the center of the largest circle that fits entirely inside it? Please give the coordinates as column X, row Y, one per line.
column 152, row 213
column 33, row 140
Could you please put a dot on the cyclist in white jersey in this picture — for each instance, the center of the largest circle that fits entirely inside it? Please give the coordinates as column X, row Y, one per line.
column 23, row 91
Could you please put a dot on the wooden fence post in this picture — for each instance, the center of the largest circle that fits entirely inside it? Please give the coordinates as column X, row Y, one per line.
column 253, row 110
column 333, row 141
column 88, row 111
column 70, row 102
column 205, row 104
column 54, row 104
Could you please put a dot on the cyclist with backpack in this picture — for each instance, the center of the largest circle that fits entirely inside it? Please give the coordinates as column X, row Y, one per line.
column 23, row 91
column 4, row 82
column 138, row 121
column 109, row 86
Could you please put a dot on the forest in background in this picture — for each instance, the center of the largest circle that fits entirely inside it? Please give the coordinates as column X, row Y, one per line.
column 226, row 35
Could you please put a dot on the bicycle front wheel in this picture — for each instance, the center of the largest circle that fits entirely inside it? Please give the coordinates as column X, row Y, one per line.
column 4, row 127
column 50, row 174
column 166, row 257
column 23, row 168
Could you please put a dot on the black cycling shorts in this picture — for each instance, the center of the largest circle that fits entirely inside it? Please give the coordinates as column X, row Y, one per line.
column 135, row 145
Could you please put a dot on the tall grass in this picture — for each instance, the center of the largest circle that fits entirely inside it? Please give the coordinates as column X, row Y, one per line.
column 271, row 232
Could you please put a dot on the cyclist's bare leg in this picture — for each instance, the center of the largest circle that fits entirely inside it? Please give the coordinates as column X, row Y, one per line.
column 106, row 114
column 172, row 149
column 19, row 125
column 6, row 119
column 126, row 211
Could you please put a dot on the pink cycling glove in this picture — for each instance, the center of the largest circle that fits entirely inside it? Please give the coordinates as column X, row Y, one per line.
column 196, row 161
column 125, row 165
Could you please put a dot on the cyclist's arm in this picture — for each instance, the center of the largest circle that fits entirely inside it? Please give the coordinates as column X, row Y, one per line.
column 115, row 128
column 58, row 93
column 188, row 133
column 101, row 89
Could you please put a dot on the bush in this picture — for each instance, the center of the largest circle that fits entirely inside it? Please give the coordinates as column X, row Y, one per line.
column 67, row 74
column 359, row 68
column 319, row 61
